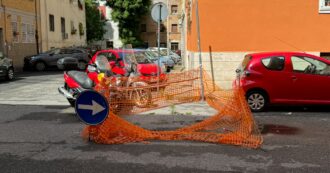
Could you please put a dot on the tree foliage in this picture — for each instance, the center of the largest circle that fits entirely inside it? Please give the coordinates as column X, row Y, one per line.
column 94, row 22
column 128, row 14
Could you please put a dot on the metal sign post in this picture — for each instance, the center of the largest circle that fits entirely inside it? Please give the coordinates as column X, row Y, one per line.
column 200, row 51
column 159, row 13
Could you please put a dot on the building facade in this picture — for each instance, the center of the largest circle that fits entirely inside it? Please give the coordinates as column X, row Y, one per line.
column 63, row 23
column 170, row 31
column 18, row 27
column 111, row 37
column 231, row 29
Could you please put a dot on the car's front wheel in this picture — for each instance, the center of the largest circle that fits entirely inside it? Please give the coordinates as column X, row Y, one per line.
column 10, row 74
column 257, row 100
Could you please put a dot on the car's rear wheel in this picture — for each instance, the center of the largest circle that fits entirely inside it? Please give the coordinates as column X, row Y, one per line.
column 10, row 74
column 257, row 100
column 40, row 66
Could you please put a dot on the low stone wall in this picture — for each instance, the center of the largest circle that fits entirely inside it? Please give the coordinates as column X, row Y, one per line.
column 18, row 51
column 224, row 65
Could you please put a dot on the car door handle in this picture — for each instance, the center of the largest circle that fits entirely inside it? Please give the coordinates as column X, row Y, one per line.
column 294, row 77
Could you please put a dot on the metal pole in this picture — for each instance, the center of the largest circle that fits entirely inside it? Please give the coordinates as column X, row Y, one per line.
column 168, row 45
column 36, row 29
column 212, row 71
column 200, row 52
column 158, row 44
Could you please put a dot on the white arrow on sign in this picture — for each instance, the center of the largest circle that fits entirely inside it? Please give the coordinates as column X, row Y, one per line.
column 95, row 107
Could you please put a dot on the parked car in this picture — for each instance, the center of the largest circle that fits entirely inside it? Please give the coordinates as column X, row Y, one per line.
column 67, row 63
column 164, row 59
column 6, row 67
column 165, row 52
column 289, row 78
column 50, row 58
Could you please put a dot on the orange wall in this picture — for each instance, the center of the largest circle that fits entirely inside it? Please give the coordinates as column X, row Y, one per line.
column 260, row 25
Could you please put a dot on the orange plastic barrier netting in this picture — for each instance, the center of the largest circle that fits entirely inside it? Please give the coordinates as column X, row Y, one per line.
column 233, row 124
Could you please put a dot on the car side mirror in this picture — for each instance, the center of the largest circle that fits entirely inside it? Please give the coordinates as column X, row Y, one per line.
column 51, row 54
column 91, row 68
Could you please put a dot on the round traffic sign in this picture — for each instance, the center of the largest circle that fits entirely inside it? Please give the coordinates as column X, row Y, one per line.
column 159, row 12
column 91, row 107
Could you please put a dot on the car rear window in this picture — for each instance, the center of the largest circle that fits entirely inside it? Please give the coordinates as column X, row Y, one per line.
column 245, row 63
column 273, row 63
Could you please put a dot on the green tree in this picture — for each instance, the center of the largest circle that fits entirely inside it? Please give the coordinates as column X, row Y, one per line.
column 94, row 21
column 128, row 14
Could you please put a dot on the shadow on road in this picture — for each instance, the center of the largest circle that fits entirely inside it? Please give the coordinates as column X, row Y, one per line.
column 314, row 108
column 35, row 73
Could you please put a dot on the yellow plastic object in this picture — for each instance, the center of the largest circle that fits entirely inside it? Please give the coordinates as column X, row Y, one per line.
column 232, row 124
column 100, row 76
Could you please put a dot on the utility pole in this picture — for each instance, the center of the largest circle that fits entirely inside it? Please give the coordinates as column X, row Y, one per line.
column 200, row 51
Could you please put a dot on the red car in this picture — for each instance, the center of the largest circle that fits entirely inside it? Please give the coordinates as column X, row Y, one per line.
column 284, row 78
column 120, row 58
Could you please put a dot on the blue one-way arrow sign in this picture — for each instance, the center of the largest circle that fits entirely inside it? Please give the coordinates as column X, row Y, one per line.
column 91, row 107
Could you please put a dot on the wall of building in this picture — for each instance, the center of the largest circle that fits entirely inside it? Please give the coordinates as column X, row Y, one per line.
column 111, row 27
column 72, row 13
column 167, row 37
column 235, row 28
column 17, row 24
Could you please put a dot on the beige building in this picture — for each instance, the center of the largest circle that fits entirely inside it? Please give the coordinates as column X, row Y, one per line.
column 18, row 23
column 170, row 28
column 63, row 23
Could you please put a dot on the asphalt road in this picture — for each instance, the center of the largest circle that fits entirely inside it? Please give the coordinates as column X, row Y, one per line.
column 44, row 136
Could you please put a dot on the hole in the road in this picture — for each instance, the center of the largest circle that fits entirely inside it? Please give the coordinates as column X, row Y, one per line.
column 278, row 129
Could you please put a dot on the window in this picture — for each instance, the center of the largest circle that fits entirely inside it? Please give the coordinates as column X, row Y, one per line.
column 174, row 28
column 163, row 44
column 325, row 55
column 143, row 28
column 15, row 31
column 73, row 28
column 77, row 51
column 324, row 6
column 30, row 33
column 309, row 66
column 62, row 24
column 174, row 46
column 274, row 63
column 162, row 28
column 109, row 44
column 110, row 56
column 80, row 5
column 51, row 23
column 146, row 44
column 174, row 9
column 64, row 36
column 24, row 33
